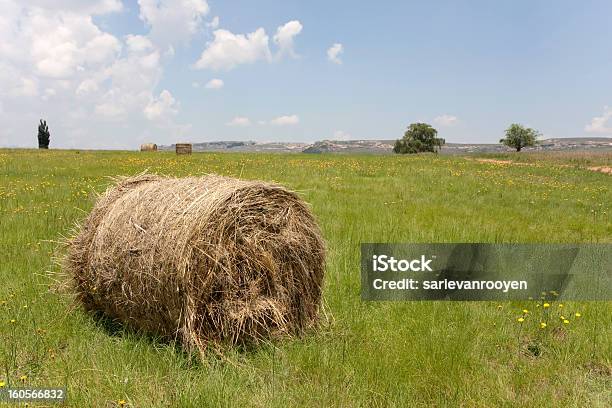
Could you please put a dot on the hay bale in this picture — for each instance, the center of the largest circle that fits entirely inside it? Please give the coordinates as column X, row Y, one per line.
column 200, row 259
column 148, row 147
column 183, row 148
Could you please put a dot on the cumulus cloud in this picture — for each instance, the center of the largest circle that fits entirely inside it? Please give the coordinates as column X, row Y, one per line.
column 446, row 120
column 284, row 37
column 240, row 121
column 79, row 6
column 87, row 86
column 214, row 23
column 24, row 87
column 285, row 120
column 161, row 106
column 56, row 43
column 172, row 22
column 228, row 50
column 214, row 84
column 600, row 124
column 132, row 80
column 53, row 45
column 333, row 53
column 138, row 43
column 57, row 63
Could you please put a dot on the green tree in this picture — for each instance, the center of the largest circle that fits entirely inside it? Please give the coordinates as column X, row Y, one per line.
column 43, row 135
column 420, row 137
column 519, row 136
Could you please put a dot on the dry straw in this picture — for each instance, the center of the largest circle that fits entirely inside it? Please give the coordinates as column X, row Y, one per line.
column 183, row 148
column 148, row 147
column 200, row 259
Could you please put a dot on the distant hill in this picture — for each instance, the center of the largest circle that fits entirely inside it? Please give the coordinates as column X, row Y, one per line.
column 248, row 146
column 386, row 146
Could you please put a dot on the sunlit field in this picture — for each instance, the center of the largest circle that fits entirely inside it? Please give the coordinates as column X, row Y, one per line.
column 472, row 354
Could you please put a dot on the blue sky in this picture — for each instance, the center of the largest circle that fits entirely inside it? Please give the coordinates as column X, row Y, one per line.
column 114, row 74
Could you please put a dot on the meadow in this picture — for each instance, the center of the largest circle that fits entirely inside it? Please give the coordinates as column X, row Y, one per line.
column 379, row 354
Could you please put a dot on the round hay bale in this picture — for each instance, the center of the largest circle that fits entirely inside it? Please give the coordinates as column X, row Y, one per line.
column 148, row 147
column 183, row 148
column 200, row 259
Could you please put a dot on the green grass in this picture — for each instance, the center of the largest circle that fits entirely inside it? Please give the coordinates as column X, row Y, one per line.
column 366, row 354
column 579, row 158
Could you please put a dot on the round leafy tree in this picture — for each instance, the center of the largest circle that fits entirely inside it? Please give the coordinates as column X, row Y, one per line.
column 419, row 137
column 519, row 136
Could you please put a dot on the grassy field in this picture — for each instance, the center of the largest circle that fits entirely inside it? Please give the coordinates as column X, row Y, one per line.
column 578, row 158
column 365, row 354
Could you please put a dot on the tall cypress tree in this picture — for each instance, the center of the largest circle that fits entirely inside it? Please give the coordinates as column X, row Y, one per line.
column 43, row 135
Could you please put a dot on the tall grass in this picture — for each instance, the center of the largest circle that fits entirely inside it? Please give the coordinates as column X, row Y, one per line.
column 365, row 354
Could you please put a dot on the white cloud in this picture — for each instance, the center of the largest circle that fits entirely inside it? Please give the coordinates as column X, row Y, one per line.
column 284, row 37
column 49, row 93
column 341, row 135
column 87, row 86
column 228, row 50
column 79, row 6
column 132, row 80
column 56, row 43
column 161, row 106
column 214, row 84
column 285, row 120
column 172, row 22
column 239, row 121
column 109, row 109
column 599, row 124
column 52, row 51
column 446, row 120
column 214, row 23
column 25, row 87
column 333, row 53
column 138, row 43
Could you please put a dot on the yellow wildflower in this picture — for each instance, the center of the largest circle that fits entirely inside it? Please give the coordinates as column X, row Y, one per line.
column 520, row 319
column 543, row 325
column 546, row 305
column 578, row 314
column 565, row 321
column 525, row 311
column 2, row 384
